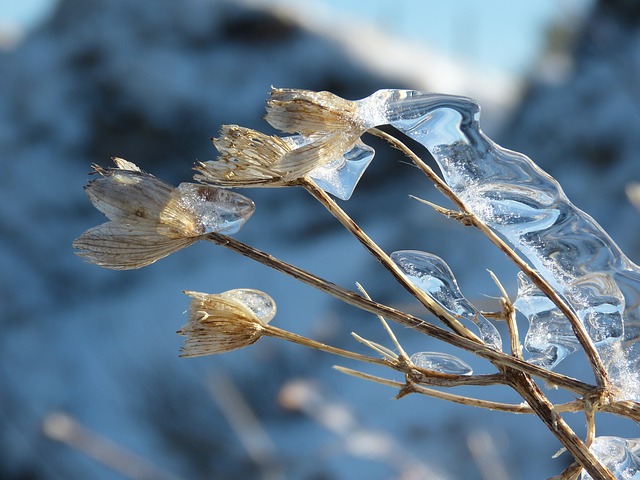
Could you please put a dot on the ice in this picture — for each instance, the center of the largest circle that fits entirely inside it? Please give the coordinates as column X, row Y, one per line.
column 432, row 275
column 620, row 455
column 550, row 338
column 341, row 176
column 441, row 362
column 217, row 209
column 528, row 208
column 260, row 304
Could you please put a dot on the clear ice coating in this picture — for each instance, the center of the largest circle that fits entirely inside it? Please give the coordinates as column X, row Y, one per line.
column 216, row 209
column 550, row 338
column 620, row 455
column 441, row 362
column 340, row 176
column 528, row 208
column 260, row 304
column 433, row 276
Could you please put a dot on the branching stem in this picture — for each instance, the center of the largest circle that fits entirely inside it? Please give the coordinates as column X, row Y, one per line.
column 333, row 208
column 599, row 371
column 352, row 298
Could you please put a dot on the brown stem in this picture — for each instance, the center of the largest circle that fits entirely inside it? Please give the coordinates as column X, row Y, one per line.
column 307, row 342
column 545, row 410
column 406, row 388
column 347, row 296
column 333, row 208
column 509, row 315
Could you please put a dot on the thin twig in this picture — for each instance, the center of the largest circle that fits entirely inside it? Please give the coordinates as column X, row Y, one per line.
column 433, row 307
column 549, row 415
column 407, row 388
column 401, row 353
column 570, row 473
column 599, row 371
column 307, row 342
column 382, row 350
column 347, row 296
column 509, row 315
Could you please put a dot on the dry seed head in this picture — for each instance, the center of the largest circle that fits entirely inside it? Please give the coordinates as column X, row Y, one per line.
column 249, row 158
column 220, row 323
column 150, row 219
column 307, row 113
column 329, row 125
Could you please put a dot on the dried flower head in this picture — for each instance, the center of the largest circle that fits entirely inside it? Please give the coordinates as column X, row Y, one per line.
column 327, row 126
column 308, row 113
column 227, row 321
column 249, row 158
column 150, row 219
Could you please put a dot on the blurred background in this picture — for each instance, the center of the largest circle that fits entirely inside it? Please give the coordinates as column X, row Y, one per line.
column 90, row 383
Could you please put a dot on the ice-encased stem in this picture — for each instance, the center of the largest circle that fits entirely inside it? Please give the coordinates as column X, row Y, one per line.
column 599, row 370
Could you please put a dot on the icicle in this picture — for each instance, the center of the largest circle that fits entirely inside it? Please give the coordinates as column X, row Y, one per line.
column 620, row 455
column 433, row 276
column 441, row 362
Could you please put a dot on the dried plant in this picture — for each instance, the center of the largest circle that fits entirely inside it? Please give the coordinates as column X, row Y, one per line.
column 575, row 287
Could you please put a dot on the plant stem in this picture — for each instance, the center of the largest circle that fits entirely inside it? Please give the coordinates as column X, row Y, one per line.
column 408, row 388
column 384, row 259
column 347, row 296
column 276, row 332
column 580, row 332
column 509, row 315
column 545, row 410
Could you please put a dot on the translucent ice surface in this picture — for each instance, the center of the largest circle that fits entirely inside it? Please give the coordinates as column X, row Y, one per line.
column 550, row 337
column 441, row 362
column 340, row 176
column 528, row 208
column 216, row 209
column 620, row 455
column 432, row 275
column 261, row 304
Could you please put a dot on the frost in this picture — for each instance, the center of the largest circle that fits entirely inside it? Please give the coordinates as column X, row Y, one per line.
column 432, row 275
column 620, row 455
column 441, row 362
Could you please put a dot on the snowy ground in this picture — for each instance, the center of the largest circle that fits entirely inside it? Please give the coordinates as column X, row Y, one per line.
column 107, row 78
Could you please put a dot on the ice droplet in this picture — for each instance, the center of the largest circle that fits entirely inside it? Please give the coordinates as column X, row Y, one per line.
column 441, row 362
column 216, row 209
column 432, row 275
column 260, row 304
column 528, row 208
column 620, row 455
